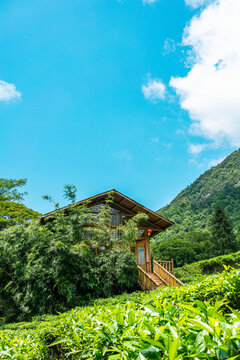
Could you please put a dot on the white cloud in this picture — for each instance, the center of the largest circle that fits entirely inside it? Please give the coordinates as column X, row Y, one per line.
column 154, row 90
column 155, row 140
column 196, row 148
column 149, row 1
column 210, row 92
column 180, row 132
column 8, row 91
column 196, row 163
column 196, row 3
column 168, row 145
column 169, row 46
column 216, row 162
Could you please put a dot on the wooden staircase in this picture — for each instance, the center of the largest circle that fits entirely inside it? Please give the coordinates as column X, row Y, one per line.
column 161, row 276
column 156, row 279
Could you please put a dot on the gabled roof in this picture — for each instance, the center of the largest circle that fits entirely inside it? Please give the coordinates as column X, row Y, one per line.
column 156, row 222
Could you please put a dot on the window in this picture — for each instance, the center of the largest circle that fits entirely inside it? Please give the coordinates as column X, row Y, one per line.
column 116, row 216
column 114, row 234
column 141, row 257
column 115, row 220
column 114, row 211
column 98, row 207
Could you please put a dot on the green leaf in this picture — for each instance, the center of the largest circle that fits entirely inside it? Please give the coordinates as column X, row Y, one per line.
column 58, row 342
column 201, row 325
column 141, row 357
column 201, row 306
column 173, row 349
column 192, row 309
column 150, row 353
column 131, row 317
column 120, row 318
column 221, row 354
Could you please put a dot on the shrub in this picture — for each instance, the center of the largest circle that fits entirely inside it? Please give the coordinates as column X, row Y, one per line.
column 194, row 271
column 185, row 249
column 53, row 267
column 196, row 321
column 117, row 270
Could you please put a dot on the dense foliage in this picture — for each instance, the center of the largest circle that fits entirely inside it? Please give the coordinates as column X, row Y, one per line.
column 9, row 189
column 222, row 237
column 191, row 210
column 11, row 211
column 199, row 321
column 183, row 248
column 195, row 271
column 189, row 247
column 53, row 267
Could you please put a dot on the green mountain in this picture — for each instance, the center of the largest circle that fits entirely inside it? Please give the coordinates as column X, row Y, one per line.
column 191, row 210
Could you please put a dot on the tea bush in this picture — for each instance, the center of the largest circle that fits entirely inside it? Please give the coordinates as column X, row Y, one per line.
column 195, row 271
column 198, row 321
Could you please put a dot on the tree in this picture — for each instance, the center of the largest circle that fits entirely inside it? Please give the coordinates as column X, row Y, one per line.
column 11, row 212
column 238, row 233
column 9, row 189
column 223, row 238
column 183, row 248
column 55, row 266
column 70, row 192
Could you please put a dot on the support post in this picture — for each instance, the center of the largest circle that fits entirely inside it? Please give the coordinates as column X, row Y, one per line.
column 148, row 254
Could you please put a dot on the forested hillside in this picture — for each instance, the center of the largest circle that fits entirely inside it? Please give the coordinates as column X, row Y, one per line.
column 192, row 208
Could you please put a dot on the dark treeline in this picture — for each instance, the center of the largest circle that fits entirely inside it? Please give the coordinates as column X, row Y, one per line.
column 185, row 248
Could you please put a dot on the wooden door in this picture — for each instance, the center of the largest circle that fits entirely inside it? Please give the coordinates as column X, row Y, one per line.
column 140, row 252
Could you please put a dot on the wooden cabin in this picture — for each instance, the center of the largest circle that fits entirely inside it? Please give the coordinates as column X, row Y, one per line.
column 122, row 209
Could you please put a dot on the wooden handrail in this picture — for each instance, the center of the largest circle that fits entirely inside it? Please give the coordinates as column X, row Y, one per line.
column 165, row 275
column 145, row 280
column 166, row 264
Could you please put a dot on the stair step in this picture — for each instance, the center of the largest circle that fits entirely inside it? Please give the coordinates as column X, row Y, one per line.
column 156, row 279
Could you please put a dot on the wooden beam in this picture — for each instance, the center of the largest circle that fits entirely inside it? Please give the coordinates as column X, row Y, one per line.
column 126, row 210
column 120, row 201
column 134, row 207
column 155, row 222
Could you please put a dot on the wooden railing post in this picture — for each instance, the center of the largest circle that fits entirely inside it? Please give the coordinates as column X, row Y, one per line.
column 167, row 265
column 165, row 275
column 145, row 280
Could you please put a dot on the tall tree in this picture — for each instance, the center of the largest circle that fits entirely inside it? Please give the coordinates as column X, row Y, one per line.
column 70, row 193
column 9, row 189
column 11, row 211
column 223, row 237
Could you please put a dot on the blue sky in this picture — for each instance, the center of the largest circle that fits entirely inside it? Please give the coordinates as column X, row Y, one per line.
column 86, row 98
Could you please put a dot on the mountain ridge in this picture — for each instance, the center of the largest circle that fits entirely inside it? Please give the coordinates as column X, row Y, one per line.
column 191, row 209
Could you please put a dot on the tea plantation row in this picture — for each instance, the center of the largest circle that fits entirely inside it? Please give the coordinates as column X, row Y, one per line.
column 196, row 270
column 200, row 321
